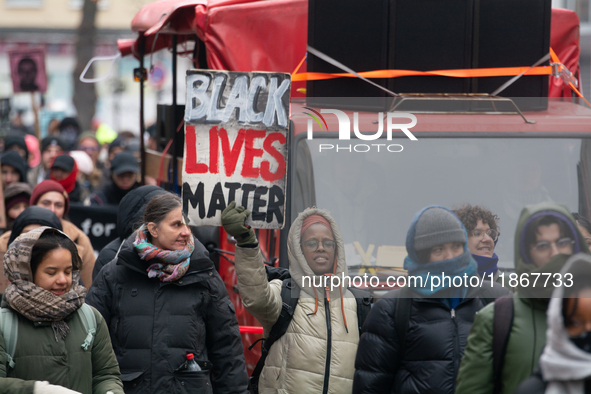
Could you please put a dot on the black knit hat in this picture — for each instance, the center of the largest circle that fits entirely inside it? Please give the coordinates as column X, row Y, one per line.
column 12, row 158
column 117, row 142
column 15, row 140
column 50, row 141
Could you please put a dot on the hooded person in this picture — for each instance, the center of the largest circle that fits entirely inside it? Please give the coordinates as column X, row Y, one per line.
column 51, row 147
column 14, row 168
column 130, row 213
column 439, row 314
column 69, row 131
column 50, row 195
column 16, row 200
column 52, row 341
column 17, row 143
column 545, row 237
column 64, row 171
column 29, row 219
column 316, row 353
column 565, row 364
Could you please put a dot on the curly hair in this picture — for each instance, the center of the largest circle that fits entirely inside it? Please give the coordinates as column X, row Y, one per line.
column 469, row 215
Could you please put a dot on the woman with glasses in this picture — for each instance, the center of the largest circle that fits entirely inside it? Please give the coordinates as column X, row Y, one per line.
column 317, row 352
column 483, row 234
column 88, row 143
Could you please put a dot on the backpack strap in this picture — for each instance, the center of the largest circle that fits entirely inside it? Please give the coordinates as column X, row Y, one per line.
column 9, row 328
column 89, row 321
column 364, row 300
column 290, row 294
column 502, row 323
column 402, row 317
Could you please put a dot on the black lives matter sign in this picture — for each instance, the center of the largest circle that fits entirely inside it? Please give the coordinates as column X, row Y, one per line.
column 236, row 127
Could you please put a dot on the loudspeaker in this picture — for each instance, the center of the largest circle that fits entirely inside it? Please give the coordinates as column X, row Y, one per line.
column 355, row 34
column 512, row 33
column 167, row 122
column 427, row 35
column 430, row 35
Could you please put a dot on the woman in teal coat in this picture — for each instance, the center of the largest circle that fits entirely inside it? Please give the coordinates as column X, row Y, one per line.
column 62, row 346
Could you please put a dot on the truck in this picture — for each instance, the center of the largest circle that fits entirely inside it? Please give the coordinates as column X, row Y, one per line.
column 374, row 178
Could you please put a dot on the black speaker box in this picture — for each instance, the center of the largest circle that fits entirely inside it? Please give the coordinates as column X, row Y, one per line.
column 426, row 35
column 512, row 33
column 167, row 121
column 355, row 34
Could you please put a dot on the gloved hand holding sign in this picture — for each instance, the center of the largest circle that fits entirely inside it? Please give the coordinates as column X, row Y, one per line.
column 233, row 220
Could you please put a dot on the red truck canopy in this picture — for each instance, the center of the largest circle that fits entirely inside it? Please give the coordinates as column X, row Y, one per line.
column 271, row 35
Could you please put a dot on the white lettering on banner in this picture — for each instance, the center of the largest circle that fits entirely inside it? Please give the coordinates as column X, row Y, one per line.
column 204, row 98
column 237, row 151
column 97, row 229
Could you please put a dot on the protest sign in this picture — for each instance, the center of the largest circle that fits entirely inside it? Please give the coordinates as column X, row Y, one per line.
column 98, row 222
column 27, row 70
column 236, row 127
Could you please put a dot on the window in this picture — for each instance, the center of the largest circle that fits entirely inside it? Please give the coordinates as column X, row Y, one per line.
column 23, row 3
column 77, row 4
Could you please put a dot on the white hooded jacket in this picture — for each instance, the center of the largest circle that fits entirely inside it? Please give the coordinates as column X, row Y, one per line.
column 297, row 362
column 564, row 366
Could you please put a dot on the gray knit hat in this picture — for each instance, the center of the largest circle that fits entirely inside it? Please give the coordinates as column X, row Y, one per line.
column 437, row 226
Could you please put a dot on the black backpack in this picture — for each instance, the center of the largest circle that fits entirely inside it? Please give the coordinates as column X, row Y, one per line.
column 290, row 293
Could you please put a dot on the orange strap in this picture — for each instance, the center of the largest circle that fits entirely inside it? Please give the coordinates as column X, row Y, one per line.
column 555, row 59
column 460, row 73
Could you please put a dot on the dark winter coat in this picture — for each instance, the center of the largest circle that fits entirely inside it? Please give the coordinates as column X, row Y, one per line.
column 153, row 325
column 434, row 345
column 427, row 359
column 130, row 213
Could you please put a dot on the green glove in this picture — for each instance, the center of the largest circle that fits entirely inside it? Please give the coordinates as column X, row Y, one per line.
column 233, row 220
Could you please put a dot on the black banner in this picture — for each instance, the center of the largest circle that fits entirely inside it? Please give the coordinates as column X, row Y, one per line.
column 98, row 222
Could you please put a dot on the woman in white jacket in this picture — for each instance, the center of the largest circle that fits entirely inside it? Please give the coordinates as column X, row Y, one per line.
column 317, row 352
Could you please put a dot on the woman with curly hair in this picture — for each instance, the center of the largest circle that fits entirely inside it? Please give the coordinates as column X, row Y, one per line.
column 483, row 234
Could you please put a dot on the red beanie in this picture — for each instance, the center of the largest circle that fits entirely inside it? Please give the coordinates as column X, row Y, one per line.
column 50, row 185
column 313, row 219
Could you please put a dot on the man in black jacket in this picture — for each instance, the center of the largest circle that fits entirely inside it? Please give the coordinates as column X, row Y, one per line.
column 124, row 170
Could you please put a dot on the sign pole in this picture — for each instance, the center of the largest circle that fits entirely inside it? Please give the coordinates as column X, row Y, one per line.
column 36, row 113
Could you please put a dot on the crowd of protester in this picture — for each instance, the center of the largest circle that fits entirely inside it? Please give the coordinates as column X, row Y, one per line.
column 151, row 314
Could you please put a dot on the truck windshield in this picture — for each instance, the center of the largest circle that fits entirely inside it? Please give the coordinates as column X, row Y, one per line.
column 373, row 196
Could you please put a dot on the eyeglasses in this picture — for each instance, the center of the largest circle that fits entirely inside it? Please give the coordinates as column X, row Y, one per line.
column 479, row 234
column 89, row 148
column 312, row 245
column 563, row 244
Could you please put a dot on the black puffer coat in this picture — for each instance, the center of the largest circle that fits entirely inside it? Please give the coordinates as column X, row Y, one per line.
column 153, row 325
column 435, row 341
